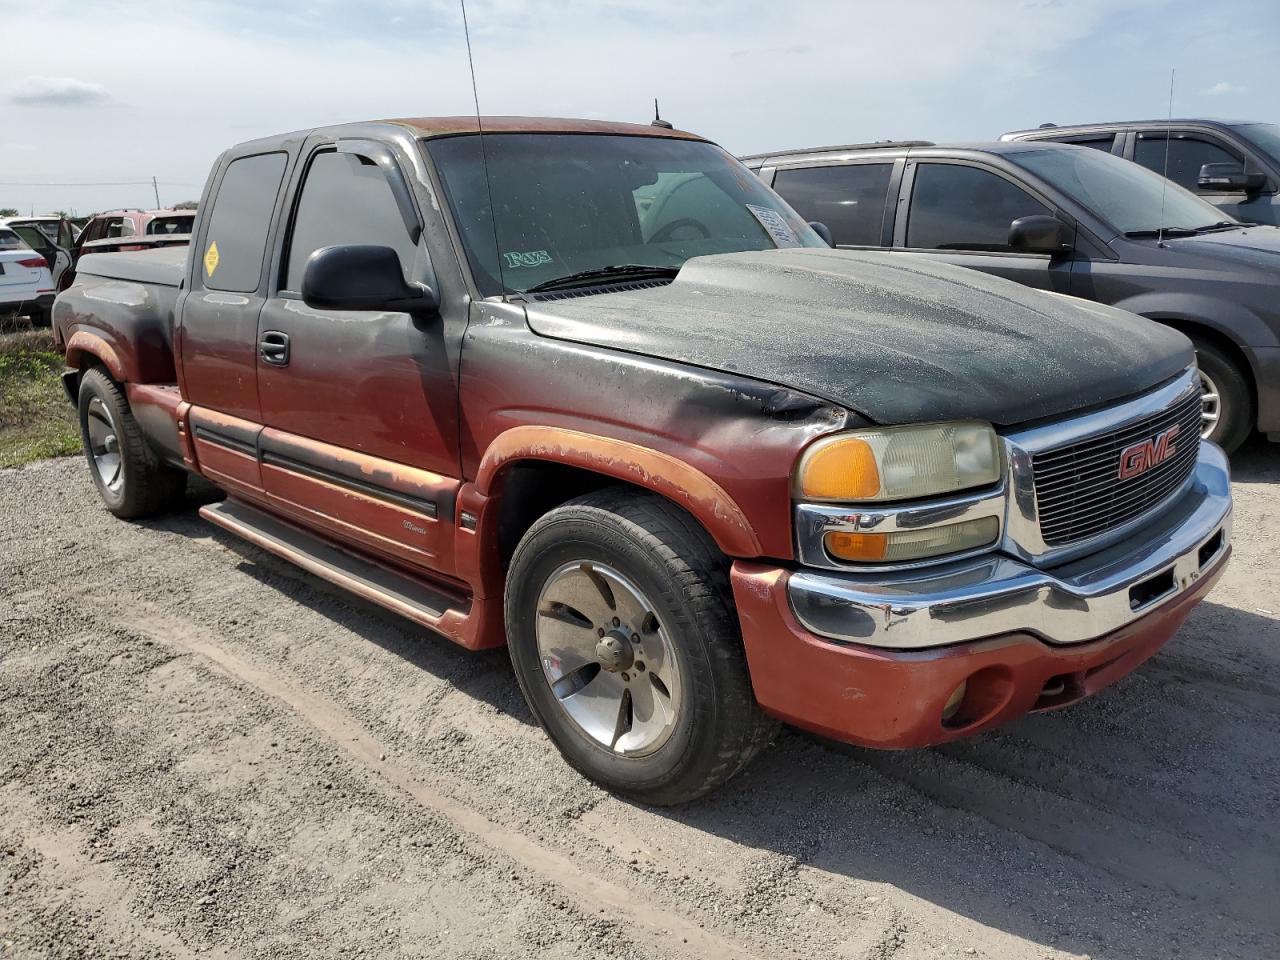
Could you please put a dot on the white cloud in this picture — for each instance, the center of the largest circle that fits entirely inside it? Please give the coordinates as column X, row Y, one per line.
column 1222, row 87
column 58, row 92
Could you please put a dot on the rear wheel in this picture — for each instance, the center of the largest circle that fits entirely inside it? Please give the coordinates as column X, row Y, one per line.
column 130, row 478
column 1226, row 401
column 625, row 643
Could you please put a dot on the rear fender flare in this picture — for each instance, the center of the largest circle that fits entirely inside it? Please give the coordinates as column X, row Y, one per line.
column 84, row 346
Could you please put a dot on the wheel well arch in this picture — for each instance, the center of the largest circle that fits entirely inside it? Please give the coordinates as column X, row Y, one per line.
column 85, row 350
column 1203, row 331
column 530, row 488
column 614, row 461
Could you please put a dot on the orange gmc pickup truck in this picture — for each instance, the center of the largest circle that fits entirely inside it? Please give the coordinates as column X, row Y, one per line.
column 594, row 392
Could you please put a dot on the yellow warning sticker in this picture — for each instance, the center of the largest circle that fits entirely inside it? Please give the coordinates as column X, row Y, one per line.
column 211, row 258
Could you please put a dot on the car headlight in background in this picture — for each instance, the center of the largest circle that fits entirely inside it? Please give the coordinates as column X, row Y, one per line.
column 899, row 463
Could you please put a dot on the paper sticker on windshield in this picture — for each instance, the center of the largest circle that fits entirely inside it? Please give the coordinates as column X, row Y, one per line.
column 211, row 258
column 774, row 225
column 527, row 258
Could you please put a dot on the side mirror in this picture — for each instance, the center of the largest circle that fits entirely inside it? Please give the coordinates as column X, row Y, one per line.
column 362, row 277
column 822, row 230
column 1039, row 234
column 1229, row 178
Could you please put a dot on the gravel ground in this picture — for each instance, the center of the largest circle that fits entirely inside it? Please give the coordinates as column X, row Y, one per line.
column 206, row 752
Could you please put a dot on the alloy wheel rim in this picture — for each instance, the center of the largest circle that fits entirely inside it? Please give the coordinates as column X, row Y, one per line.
column 104, row 445
column 607, row 658
column 1210, row 405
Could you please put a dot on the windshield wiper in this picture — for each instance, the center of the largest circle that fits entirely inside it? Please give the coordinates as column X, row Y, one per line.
column 1165, row 231
column 600, row 274
column 1220, row 225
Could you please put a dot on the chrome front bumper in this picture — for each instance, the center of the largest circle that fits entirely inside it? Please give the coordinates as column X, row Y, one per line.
column 994, row 594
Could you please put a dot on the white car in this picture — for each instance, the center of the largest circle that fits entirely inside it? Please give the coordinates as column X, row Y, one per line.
column 26, row 285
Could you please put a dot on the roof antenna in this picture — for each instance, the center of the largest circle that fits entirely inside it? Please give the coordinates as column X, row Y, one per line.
column 657, row 120
column 484, row 157
column 1168, row 135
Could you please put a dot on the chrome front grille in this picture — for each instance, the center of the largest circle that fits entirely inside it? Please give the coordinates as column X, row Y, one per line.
column 1078, row 488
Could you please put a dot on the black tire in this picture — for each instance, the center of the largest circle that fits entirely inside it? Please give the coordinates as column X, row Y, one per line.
column 718, row 726
column 1236, row 416
column 144, row 485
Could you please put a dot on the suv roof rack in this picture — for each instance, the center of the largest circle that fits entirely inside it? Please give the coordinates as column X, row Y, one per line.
column 843, row 147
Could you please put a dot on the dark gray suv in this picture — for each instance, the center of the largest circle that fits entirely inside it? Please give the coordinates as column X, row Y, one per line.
column 1074, row 221
column 1234, row 164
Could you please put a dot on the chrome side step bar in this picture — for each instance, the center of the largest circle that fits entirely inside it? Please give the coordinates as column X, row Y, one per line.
column 378, row 584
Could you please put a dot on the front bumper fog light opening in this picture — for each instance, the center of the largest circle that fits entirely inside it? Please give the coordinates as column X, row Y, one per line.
column 978, row 698
column 952, row 706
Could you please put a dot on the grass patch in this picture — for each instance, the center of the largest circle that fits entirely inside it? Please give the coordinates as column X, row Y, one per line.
column 35, row 419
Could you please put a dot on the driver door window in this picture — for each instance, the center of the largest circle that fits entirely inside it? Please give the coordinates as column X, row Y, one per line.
column 962, row 214
column 957, row 207
column 345, row 199
column 1186, row 155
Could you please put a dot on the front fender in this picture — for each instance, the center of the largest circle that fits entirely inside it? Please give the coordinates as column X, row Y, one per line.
column 1230, row 319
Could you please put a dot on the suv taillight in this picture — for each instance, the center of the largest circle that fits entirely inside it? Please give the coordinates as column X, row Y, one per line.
column 34, row 262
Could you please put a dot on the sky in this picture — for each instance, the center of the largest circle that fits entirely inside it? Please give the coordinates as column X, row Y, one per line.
column 99, row 96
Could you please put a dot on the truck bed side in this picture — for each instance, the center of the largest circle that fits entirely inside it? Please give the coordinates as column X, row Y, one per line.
column 119, row 315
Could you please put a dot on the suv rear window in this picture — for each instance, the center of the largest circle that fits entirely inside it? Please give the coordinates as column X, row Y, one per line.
column 849, row 199
column 10, row 240
column 168, row 226
column 239, row 221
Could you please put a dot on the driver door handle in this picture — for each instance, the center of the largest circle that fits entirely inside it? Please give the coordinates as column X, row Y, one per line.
column 274, row 348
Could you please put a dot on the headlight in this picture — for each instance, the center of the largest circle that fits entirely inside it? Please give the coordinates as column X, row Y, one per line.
column 899, row 463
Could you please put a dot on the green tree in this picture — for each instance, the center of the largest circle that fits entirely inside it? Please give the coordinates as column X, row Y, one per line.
column 9, row 212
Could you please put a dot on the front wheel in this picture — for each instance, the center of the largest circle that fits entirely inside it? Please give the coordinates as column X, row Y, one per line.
column 624, row 641
column 1226, row 411
column 130, row 478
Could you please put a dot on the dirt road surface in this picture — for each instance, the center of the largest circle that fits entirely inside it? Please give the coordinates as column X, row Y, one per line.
column 205, row 752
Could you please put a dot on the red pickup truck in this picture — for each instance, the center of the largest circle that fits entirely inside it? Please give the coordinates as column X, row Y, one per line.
column 593, row 392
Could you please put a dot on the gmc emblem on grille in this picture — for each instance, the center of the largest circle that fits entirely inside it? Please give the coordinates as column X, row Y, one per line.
column 1141, row 457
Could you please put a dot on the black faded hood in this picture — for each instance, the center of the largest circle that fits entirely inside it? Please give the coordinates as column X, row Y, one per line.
column 890, row 336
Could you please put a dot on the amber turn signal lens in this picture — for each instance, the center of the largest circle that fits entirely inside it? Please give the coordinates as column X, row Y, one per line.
column 843, row 469
column 857, row 546
column 903, row 546
column 899, row 463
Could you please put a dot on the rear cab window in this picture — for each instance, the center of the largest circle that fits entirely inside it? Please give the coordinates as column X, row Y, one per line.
column 239, row 221
column 848, row 198
column 169, row 226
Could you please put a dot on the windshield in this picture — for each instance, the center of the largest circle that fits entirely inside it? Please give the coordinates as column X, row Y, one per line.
column 1127, row 196
column 1265, row 136
column 10, row 240
column 569, row 203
